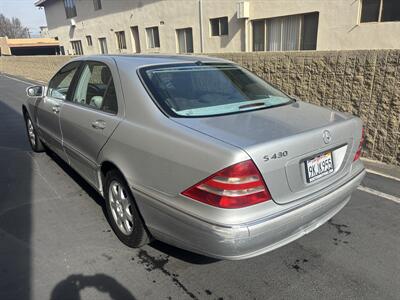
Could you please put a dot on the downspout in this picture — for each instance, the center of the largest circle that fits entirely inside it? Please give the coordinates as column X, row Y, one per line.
column 201, row 26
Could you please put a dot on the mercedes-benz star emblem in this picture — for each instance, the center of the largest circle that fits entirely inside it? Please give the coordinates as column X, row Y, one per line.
column 327, row 137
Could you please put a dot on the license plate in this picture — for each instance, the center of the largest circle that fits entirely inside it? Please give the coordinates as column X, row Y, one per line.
column 319, row 166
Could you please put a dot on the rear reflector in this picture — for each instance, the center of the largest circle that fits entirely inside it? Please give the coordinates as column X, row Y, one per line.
column 360, row 146
column 237, row 186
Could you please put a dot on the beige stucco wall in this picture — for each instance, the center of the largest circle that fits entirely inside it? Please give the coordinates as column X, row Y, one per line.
column 339, row 27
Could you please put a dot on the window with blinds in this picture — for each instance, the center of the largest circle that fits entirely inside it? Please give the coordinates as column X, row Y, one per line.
column 97, row 4
column 185, row 40
column 121, row 41
column 153, row 37
column 77, row 48
column 70, row 8
column 289, row 33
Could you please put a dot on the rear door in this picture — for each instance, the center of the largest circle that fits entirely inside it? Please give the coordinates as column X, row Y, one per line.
column 92, row 115
column 49, row 107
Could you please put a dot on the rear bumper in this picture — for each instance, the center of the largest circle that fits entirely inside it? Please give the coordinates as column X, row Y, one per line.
column 244, row 240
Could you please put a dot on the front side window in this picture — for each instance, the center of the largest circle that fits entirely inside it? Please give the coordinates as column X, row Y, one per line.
column 95, row 88
column 380, row 11
column 70, row 8
column 194, row 90
column 121, row 41
column 219, row 26
column 185, row 40
column 60, row 83
column 153, row 37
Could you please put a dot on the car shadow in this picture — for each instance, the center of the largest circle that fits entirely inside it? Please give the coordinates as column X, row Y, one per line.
column 183, row 255
column 169, row 250
column 16, row 201
column 86, row 187
column 70, row 288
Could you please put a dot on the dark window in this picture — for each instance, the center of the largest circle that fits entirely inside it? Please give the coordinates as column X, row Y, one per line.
column 380, row 11
column 219, row 26
column 370, row 10
column 310, row 32
column 77, row 47
column 60, row 83
column 70, row 8
column 391, row 10
column 95, row 88
column 153, row 37
column 185, row 40
column 97, row 4
column 121, row 39
column 89, row 40
column 259, row 35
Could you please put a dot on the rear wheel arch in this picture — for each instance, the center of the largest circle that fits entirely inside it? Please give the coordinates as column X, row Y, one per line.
column 105, row 167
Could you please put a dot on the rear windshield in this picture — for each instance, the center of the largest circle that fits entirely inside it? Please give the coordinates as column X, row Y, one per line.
column 201, row 90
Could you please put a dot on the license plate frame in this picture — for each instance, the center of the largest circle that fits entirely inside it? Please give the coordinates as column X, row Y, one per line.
column 319, row 166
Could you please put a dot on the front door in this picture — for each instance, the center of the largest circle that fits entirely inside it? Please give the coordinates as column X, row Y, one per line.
column 49, row 107
column 89, row 119
column 136, row 39
column 103, row 46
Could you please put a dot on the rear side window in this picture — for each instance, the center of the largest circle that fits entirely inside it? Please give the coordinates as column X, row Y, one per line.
column 193, row 90
column 95, row 88
column 61, row 82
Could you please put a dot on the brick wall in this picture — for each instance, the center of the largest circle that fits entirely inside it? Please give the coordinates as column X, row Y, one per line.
column 364, row 83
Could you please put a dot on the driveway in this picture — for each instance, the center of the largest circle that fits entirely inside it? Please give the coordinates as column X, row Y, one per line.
column 55, row 242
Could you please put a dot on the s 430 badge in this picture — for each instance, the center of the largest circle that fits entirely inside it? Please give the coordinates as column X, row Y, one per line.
column 276, row 155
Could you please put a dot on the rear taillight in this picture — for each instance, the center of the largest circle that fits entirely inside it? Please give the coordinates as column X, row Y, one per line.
column 360, row 146
column 237, row 186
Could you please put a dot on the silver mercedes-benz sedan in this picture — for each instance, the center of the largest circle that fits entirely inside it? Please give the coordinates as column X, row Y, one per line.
column 197, row 152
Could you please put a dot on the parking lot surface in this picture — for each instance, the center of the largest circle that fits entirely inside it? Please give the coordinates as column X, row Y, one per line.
column 55, row 242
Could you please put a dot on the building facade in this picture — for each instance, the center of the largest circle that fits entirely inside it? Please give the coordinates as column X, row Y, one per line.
column 214, row 26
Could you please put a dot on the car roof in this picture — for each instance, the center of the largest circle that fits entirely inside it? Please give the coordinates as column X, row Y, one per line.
column 140, row 60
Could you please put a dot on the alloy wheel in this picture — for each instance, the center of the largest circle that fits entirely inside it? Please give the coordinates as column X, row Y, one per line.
column 121, row 207
column 31, row 132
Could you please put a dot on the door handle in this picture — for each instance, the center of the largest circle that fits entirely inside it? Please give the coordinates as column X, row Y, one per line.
column 56, row 109
column 99, row 124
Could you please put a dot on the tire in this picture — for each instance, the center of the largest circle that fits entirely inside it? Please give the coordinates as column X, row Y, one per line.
column 123, row 214
column 34, row 140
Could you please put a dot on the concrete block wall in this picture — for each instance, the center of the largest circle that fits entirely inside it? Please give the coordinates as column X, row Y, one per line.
column 36, row 68
column 364, row 83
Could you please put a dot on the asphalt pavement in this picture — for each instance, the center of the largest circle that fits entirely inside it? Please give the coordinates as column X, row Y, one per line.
column 55, row 242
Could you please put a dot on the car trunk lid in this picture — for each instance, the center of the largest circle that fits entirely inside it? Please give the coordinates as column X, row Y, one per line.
column 280, row 140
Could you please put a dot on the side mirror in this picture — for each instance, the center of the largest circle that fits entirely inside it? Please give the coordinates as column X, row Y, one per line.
column 35, row 91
